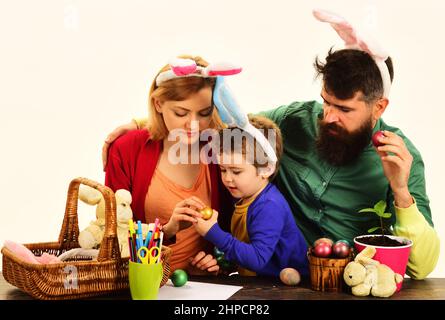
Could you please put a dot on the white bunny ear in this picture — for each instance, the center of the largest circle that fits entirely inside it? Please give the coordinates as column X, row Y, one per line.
column 359, row 41
column 353, row 38
column 344, row 29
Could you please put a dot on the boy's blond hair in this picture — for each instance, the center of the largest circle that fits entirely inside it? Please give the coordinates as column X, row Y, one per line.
column 177, row 89
column 248, row 147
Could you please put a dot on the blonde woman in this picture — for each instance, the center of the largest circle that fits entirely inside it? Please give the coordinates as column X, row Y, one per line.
column 144, row 162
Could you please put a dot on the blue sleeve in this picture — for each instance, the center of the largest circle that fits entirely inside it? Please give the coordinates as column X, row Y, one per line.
column 264, row 232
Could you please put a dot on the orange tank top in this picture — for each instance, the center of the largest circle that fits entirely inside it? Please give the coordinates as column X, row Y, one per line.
column 162, row 196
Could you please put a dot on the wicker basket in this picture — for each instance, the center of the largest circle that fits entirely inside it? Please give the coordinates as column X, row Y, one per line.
column 82, row 277
column 327, row 273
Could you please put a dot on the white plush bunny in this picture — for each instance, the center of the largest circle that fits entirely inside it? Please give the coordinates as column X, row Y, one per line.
column 367, row 276
column 91, row 236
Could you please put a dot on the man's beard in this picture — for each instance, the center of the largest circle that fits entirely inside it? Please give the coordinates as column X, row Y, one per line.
column 342, row 148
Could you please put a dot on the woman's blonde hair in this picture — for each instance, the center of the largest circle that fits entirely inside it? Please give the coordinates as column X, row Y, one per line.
column 177, row 89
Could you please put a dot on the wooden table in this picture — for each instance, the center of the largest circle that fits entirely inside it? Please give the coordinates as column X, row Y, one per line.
column 259, row 288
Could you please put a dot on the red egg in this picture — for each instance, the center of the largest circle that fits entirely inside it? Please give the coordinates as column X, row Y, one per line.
column 341, row 249
column 323, row 250
column 376, row 137
column 323, row 240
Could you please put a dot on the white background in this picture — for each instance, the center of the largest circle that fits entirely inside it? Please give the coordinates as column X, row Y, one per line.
column 71, row 71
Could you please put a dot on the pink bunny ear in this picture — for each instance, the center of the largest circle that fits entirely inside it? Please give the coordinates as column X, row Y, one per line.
column 222, row 69
column 187, row 68
column 182, row 67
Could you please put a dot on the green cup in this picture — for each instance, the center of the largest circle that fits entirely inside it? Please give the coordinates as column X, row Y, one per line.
column 144, row 280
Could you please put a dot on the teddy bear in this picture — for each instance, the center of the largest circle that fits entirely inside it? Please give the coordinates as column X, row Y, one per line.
column 366, row 275
column 91, row 236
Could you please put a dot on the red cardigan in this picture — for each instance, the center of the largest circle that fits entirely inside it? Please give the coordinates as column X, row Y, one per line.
column 132, row 160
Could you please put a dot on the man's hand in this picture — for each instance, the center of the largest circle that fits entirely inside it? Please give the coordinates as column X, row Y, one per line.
column 396, row 166
column 113, row 136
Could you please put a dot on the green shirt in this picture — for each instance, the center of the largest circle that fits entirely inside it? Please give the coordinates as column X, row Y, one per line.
column 324, row 199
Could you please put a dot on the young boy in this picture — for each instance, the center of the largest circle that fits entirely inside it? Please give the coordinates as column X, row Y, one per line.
column 264, row 237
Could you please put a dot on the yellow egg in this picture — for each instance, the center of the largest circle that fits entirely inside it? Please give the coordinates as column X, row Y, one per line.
column 290, row 276
column 206, row 213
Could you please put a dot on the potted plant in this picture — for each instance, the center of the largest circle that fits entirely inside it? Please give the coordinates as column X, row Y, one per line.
column 390, row 250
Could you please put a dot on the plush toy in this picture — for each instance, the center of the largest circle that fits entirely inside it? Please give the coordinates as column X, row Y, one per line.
column 91, row 236
column 26, row 255
column 366, row 276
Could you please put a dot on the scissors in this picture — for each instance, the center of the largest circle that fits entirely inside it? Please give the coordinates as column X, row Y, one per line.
column 147, row 257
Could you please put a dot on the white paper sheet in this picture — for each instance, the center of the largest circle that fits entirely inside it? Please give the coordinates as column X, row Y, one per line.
column 196, row 291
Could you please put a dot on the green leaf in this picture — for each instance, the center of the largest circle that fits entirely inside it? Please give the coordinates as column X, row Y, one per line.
column 387, row 215
column 380, row 206
column 368, row 210
column 383, row 214
column 373, row 229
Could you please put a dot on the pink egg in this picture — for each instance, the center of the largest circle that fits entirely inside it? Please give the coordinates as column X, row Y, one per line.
column 323, row 250
column 325, row 240
column 376, row 137
column 341, row 249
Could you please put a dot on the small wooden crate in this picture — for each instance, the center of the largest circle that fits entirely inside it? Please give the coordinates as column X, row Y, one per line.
column 327, row 273
column 82, row 277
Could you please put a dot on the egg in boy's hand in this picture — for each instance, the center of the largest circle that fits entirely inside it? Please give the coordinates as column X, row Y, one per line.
column 203, row 226
column 206, row 213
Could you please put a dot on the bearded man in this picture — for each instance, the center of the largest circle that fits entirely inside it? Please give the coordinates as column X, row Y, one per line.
column 330, row 168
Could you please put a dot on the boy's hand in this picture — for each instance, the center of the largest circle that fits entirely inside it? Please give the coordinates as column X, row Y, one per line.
column 203, row 226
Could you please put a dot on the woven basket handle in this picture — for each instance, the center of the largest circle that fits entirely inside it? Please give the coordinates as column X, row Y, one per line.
column 69, row 234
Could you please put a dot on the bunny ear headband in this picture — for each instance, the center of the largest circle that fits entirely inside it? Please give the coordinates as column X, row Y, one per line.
column 180, row 68
column 228, row 109
column 354, row 40
column 232, row 115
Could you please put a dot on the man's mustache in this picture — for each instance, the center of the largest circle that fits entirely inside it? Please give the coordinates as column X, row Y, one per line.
column 334, row 127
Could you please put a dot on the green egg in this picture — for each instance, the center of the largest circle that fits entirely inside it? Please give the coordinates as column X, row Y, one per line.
column 179, row 278
column 223, row 263
column 217, row 252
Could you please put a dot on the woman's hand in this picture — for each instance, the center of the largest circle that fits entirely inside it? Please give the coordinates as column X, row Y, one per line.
column 113, row 136
column 184, row 215
column 203, row 264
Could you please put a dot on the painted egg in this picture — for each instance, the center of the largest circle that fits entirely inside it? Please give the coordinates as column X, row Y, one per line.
column 217, row 252
column 376, row 137
column 341, row 249
column 179, row 278
column 323, row 250
column 324, row 240
column 206, row 213
column 290, row 276
column 345, row 241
